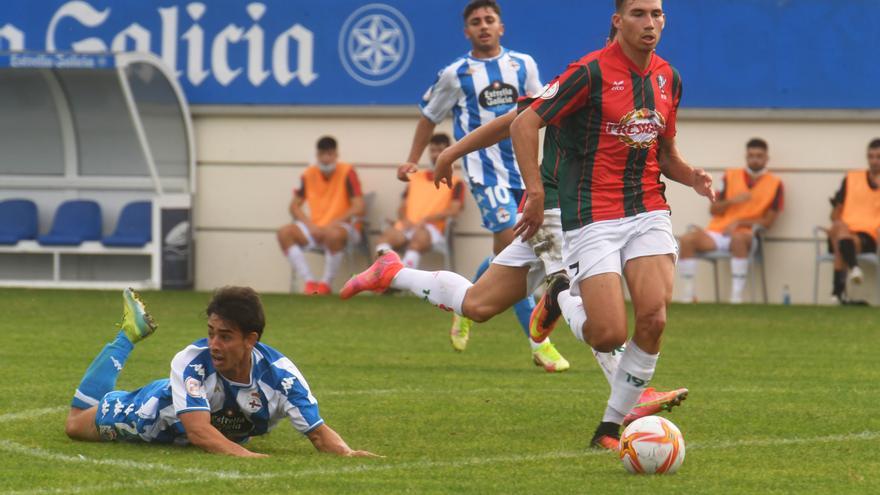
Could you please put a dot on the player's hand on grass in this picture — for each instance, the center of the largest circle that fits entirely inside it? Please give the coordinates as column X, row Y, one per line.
column 532, row 216
column 443, row 169
column 255, row 455
column 703, row 184
column 404, row 170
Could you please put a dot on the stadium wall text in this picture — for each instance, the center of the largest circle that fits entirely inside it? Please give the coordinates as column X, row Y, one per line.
column 731, row 53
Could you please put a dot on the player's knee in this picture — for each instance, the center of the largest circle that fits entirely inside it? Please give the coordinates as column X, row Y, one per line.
column 477, row 311
column 608, row 342
column 605, row 337
column 72, row 428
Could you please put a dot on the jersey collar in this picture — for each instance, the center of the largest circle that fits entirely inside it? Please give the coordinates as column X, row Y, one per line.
column 496, row 57
column 617, row 52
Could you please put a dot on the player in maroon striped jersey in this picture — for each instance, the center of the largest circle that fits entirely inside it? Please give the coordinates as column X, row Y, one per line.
column 613, row 116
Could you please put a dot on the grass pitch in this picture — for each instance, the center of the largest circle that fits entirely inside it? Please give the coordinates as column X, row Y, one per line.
column 783, row 400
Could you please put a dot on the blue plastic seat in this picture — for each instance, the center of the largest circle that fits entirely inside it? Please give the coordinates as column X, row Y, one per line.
column 134, row 228
column 75, row 221
column 18, row 221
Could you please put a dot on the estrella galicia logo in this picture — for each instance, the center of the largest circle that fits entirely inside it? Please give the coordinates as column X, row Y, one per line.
column 498, row 94
column 376, row 44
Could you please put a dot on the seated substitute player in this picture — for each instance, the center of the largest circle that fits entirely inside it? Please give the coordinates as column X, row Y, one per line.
column 223, row 389
column 333, row 194
column 855, row 221
column 423, row 211
column 749, row 197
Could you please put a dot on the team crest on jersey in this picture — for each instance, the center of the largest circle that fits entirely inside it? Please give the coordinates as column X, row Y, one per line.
column 502, row 215
column 638, row 128
column 249, row 401
column 194, row 388
column 549, row 91
column 498, row 94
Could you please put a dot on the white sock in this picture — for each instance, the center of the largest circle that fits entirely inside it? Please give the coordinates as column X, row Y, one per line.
column 382, row 247
column 687, row 270
column 633, row 374
column 332, row 262
column 446, row 290
column 411, row 258
column 739, row 269
column 536, row 345
column 609, row 361
column 574, row 314
column 298, row 262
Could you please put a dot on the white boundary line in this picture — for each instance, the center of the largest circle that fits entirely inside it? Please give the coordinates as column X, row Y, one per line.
column 31, row 413
column 196, row 476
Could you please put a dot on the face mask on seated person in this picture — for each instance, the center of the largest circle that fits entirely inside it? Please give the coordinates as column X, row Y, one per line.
column 327, row 168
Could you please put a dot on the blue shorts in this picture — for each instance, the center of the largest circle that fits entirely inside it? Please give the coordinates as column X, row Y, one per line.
column 498, row 206
column 143, row 415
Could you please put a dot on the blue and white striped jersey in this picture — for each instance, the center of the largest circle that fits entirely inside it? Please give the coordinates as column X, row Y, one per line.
column 277, row 390
column 477, row 91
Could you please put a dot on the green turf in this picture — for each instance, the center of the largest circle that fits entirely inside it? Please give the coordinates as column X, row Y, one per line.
column 783, row 400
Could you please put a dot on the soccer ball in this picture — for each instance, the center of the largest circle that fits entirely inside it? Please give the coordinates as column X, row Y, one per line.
column 652, row 445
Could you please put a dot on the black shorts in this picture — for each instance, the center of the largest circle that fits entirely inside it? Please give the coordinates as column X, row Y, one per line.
column 869, row 245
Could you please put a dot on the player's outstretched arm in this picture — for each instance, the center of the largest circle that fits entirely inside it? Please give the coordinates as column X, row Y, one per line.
column 202, row 434
column 484, row 136
column 424, row 129
column 674, row 167
column 326, row 440
column 524, row 134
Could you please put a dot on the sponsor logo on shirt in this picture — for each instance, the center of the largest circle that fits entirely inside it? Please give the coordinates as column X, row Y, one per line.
column 498, row 94
column 618, row 86
column 287, row 383
column 199, row 370
column 638, row 128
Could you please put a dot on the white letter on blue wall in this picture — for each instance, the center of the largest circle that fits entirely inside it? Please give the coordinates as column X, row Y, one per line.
column 195, row 38
column 220, row 54
column 256, row 45
column 83, row 13
column 304, row 56
column 14, row 38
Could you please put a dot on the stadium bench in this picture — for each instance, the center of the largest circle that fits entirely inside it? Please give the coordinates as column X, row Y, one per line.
column 75, row 233
column 18, row 221
column 134, row 227
column 75, row 221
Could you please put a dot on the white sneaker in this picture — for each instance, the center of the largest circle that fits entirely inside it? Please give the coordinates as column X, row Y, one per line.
column 736, row 299
column 856, row 276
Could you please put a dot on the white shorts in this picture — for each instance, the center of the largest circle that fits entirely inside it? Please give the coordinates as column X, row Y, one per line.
column 542, row 253
column 722, row 242
column 438, row 241
column 606, row 246
column 352, row 239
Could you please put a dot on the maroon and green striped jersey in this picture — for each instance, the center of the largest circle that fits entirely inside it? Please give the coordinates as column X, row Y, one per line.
column 604, row 119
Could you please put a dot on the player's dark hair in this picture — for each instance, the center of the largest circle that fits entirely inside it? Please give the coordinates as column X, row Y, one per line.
column 326, row 143
column 240, row 306
column 618, row 5
column 874, row 144
column 757, row 143
column 479, row 4
column 441, row 138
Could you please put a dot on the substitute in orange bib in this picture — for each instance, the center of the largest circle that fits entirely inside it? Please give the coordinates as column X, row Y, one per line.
column 332, row 191
column 751, row 196
column 424, row 210
column 855, row 221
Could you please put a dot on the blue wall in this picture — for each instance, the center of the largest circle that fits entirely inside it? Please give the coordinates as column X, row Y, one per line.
column 731, row 53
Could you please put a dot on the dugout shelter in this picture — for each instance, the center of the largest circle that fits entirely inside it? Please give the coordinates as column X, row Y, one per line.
column 97, row 172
